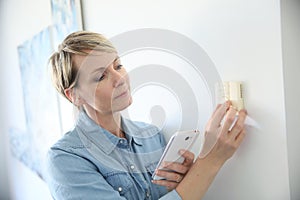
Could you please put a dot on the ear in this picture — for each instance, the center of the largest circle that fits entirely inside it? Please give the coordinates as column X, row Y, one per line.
column 73, row 97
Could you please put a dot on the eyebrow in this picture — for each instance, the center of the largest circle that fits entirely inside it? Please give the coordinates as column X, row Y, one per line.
column 101, row 69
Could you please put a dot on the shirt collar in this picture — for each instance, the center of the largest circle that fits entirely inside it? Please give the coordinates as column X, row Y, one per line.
column 139, row 131
column 102, row 138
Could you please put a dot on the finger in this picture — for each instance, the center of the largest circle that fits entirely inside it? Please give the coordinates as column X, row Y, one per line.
column 168, row 184
column 240, row 137
column 229, row 119
column 239, row 125
column 169, row 175
column 175, row 167
column 219, row 114
column 188, row 157
column 218, row 106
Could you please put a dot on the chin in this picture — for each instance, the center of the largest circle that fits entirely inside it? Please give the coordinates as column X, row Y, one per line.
column 123, row 106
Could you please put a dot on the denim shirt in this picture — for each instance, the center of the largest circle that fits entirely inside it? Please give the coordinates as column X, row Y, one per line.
column 91, row 163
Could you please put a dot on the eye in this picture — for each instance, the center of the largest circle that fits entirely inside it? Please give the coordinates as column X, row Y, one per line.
column 119, row 67
column 101, row 78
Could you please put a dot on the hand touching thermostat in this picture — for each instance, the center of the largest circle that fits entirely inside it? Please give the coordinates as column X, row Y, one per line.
column 231, row 91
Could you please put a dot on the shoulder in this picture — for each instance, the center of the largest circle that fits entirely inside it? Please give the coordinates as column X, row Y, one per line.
column 67, row 147
column 67, row 152
column 68, row 140
column 62, row 157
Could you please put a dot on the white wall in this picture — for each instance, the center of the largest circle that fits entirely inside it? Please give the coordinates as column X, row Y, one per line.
column 290, row 12
column 20, row 21
column 4, row 186
column 242, row 38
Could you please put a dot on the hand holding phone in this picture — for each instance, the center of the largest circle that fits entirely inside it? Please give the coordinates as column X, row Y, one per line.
column 180, row 140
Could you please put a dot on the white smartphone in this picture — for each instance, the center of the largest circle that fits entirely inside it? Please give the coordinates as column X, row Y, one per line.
column 180, row 140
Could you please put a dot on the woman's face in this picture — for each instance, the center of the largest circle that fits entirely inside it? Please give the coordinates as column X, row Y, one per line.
column 102, row 83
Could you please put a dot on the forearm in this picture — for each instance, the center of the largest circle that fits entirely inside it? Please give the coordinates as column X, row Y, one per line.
column 197, row 181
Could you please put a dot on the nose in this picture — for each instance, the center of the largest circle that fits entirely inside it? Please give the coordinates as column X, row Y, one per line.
column 117, row 78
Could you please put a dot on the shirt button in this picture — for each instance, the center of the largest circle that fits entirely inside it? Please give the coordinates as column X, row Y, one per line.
column 132, row 166
column 121, row 141
column 120, row 189
column 148, row 194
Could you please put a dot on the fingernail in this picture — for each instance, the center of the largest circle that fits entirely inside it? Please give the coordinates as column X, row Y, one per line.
column 227, row 103
column 181, row 151
column 244, row 110
column 165, row 164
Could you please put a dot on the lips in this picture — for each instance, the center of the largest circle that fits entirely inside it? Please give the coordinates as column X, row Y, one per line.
column 123, row 94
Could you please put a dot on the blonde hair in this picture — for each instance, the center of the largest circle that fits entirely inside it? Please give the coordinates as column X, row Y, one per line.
column 62, row 68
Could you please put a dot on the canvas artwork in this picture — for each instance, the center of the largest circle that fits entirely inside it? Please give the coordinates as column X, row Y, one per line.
column 66, row 18
column 41, row 101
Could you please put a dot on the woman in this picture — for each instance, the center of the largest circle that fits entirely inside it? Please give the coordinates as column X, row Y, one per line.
column 106, row 156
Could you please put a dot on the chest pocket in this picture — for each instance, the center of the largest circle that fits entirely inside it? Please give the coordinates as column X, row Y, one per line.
column 120, row 181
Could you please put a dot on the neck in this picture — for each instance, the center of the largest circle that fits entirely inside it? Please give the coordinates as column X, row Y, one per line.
column 110, row 122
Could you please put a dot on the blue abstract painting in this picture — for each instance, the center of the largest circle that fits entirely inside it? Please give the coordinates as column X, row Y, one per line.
column 66, row 18
column 41, row 101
